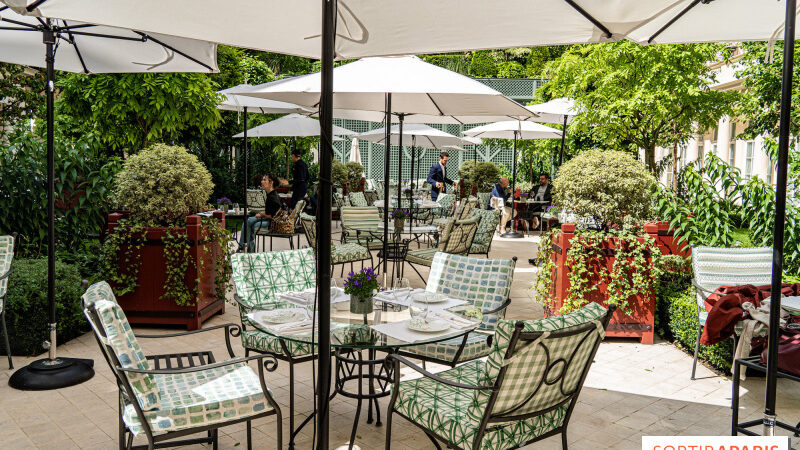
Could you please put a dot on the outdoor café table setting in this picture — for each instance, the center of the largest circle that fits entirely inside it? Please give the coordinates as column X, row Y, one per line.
column 396, row 319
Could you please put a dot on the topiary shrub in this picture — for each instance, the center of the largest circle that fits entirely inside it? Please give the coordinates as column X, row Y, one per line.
column 161, row 183
column 348, row 173
column 605, row 184
column 674, row 277
column 27, row 313
column 482, row 174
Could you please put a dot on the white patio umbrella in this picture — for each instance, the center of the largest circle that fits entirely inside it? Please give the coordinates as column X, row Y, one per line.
column 291, row 125
column 355, row 153
column 558, row 110
column 246, row 105
column 514, row 129
column 83, row 48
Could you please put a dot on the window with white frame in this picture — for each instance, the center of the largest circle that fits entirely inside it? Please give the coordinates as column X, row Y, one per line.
column 700, row 154
column 732, row 146
column 748, row 160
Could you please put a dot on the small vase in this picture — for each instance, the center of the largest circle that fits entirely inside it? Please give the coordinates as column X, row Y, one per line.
column 399, row 224
column 224, row 208
column 360, row 305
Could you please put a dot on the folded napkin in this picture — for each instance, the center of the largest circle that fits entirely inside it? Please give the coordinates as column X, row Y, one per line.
column 306, row 297
column 291, row 327
column 454, row 320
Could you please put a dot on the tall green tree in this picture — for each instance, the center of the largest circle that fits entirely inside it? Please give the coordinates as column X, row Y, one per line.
column 642, row 97
column 21, row 96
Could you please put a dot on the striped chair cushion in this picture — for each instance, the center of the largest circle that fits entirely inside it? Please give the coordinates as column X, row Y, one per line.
column 422, row 256
column 6, row 255
column 717, row 266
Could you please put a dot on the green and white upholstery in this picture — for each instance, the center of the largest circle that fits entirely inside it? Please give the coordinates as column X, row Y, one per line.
column 720, row 266
column 366, row 217
column 6, row 256
column 259, row 278
column 424, row 256
column 256, row 200
column 340, row 253
column 358, row 199
column 445, row 209
column 483, row 200
column 531, row 379
column 489, row 218
column 456, row 239
column 165, row 403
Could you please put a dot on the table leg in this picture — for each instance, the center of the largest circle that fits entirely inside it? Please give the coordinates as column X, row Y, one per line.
column 358, row 404
column 735, row 399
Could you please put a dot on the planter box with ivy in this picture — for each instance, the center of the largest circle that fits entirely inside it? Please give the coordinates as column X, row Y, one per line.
column 167, row 265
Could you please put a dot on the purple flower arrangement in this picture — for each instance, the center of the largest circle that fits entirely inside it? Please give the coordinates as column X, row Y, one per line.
column 224, row 201
column 399, row 213
column 361, row 284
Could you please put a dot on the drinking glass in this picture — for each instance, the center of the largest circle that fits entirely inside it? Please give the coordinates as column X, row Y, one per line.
column 401, row 288
column 236, row 208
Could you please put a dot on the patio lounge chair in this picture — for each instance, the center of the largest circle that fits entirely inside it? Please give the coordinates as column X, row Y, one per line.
column 489, row 219
column 485, row 284
column 456, row 239
column 6, row 256
column 340, row 253
column 719, row 266
column 524, row 392
column 366, row 216
column 191, row 393
column 259, row 278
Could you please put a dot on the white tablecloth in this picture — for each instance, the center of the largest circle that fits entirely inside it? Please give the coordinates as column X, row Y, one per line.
column 406, row 300
column 306, row 297
column 399, row 330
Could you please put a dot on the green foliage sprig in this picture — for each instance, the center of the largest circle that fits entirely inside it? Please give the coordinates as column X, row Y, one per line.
column 130, row 236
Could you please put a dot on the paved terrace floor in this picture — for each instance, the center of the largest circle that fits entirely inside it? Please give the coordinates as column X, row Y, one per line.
column 632, row 390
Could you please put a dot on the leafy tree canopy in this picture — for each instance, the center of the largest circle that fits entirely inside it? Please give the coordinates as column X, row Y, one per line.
column 634, row 96
column 21, row 96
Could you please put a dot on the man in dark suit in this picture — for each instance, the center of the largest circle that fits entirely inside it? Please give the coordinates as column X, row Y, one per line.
column 542, row 192
column 437, row 176
column 300, row 177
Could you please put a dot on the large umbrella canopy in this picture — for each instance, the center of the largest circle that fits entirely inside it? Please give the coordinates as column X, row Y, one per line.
column 238, row 103
column 511, row 129
column 417, row 87
column 457, row 119
column 291, row 125
column 554, row 111
column 421, row 135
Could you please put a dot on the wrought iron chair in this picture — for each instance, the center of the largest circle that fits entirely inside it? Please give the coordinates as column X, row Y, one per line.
column 262, row 233
column 719, row 266
column 256, row 200
column 445, row 210
column 366, row 216
column 485, row 284
column 524, row 392
column 456, row 239
column 483, row 200
column 358, row 199
column 371, row 196
column 259, row 278
column 166, row 397
column 6, row 256
column 340, row 253
column 489, row 219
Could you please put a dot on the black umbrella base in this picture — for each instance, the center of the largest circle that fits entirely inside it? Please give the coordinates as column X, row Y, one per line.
column 513, row 235
column 45, row 374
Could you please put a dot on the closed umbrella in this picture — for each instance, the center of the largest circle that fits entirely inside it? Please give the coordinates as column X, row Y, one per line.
column 83, row 48
column 558, row 110
column 514, row 129
column 355, row 153
column 245, row 105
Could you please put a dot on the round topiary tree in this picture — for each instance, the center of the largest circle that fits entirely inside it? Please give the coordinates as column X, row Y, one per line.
column 161, row 183
column 606, row 184
column 482, row 174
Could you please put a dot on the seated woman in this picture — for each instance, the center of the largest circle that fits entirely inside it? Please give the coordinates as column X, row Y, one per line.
column 261, row 220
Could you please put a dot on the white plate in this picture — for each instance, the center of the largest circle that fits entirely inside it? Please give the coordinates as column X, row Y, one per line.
column 428, row 297
column 428, row 325
column 283, row 315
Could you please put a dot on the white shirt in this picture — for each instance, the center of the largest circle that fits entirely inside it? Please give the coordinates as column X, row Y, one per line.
column 540, row 193
column 444, row 171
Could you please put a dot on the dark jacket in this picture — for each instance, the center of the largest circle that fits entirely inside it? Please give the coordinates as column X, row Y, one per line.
column 436, row 176
column 300, row 173
column 272, row 203
column 548, row 193
column 499, row 192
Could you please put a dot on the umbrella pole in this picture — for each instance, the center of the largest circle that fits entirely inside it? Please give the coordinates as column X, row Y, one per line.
column 563, row 138
column 51, row 372
column 245, row 182
column 386, row 177
column 475, row 153
column 400, row 163
column 324, row 224
column 412, row 185
column 780, row 218
column 513, row 233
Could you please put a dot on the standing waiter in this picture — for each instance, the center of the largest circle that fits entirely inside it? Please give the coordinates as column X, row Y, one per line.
column 300, row 177
column 437, row 177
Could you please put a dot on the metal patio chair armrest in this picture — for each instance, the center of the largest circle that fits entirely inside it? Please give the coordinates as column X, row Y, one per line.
column 703, row 291
column 7, row 274
column 231, row 329
column 270, row 364
column 499, row 308
column 399, row 359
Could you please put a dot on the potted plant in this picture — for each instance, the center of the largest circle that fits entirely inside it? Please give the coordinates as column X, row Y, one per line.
column 361, row 287
column 167, row 265
column 224, row 203
column 399, row 217
column 480, row 175
column 615, row 263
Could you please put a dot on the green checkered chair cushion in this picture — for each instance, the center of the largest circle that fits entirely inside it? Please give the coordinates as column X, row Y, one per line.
column 202, row 398
column 475, row 347
column 442, row 221
column 421, row 256
column 489, row 218
column 358, row 199
column 6, row 256
column 256, row 199
column 485, row 283
column 483, row 200
column 344, row 253
column 263, row 342
column 445, row 411
column 446, row 202
column 482, row 249
column 458, row 239
column 118, row 335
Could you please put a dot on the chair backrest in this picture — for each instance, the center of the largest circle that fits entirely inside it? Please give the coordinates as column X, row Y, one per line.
column 256, row 199
column 483, row 200
column 6, row 256
column 463, row 210
column 379, row 189
column 119, row 344
column 371, row 197
column 358, row 199
column 489, row 218
column 298, row 208
column 446, row 202
column 538, row 366
column 460, row 237
column 366, row 216
column 718, row 266
column 309, row 229
column 485, row 283
column 259, row 277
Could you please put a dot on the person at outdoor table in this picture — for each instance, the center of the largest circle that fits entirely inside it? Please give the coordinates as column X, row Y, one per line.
column 437, row 176
column 543, row 193
column 502, row 190
column 300, row 178
column 272, row 204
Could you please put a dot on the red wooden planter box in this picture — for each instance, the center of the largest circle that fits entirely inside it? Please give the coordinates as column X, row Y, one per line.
column 640, row 323
column 145, row 306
